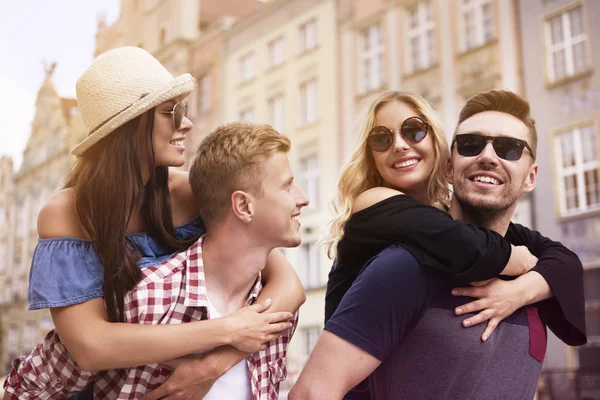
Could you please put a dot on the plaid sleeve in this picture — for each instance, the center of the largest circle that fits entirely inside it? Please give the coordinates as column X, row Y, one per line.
column 268, row 367
column 48, row 372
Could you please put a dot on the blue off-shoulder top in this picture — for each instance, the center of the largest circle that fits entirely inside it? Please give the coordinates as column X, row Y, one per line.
column 66, row 271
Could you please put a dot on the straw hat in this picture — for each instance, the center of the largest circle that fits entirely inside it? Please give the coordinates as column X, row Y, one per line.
column 120, row 85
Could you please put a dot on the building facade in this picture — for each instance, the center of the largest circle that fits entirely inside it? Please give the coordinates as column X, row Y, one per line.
column 443, row 50
column 186, row 37
column 560, row 75
column 46, row 162
column 280, row 69
column 6, row 226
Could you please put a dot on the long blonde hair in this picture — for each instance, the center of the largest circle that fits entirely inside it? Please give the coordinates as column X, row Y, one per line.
column 361, row 173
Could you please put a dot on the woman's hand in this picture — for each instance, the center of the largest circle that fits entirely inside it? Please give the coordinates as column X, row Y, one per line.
column 251, row 328
column 496, row 300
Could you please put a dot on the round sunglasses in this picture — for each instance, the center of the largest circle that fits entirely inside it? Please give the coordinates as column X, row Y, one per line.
column 179, row 111
column 507, row 148
column 413, row 130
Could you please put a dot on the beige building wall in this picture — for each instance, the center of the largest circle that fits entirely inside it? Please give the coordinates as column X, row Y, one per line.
column 563, row 86
column 280, row 69
column 46, row 162
column 6, row 203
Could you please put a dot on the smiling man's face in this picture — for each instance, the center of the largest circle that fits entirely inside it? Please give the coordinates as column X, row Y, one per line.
column 485, row 181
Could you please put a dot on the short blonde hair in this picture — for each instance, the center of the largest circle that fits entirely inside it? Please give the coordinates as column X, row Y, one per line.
column 361, row 173
column 230, row 159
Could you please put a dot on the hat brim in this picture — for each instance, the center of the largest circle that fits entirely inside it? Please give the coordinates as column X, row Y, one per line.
column 180, row 86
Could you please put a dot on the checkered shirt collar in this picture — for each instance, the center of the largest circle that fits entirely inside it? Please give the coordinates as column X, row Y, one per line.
column 195, row 284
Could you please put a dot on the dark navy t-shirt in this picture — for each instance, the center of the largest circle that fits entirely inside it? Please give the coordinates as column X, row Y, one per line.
column 402, row 314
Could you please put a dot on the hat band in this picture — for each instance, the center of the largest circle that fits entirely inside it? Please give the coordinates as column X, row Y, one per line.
column 101, row 124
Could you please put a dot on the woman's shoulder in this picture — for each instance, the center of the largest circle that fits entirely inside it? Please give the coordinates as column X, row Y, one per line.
column 373, row 196
column 183, row 202
column 59, row 218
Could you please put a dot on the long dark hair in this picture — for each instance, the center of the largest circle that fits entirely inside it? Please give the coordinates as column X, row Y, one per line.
column 108, row 185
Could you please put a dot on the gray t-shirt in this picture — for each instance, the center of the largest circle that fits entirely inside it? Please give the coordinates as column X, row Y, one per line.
column 403, row 316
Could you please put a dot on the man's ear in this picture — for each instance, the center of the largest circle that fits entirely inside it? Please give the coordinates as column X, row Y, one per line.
column 449, row 169
column 242, row 205
column 531, row 179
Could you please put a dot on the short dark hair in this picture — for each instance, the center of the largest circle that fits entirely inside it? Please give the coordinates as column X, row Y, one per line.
column 503, row 101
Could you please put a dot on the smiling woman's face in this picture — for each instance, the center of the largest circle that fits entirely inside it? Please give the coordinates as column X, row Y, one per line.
column 404, row 166
column 169, row 145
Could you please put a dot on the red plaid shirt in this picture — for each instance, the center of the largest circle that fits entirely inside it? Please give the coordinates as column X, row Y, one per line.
column 169, row 293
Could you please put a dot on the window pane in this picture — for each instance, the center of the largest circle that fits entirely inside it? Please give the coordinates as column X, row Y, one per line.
column 579, row 57
column 591, row 284
column 488, row 31
column 588, row 141
column 559, row 64
column 416, row 54
column 428, row 11
column 566, row 148
column 572, row 198
column 576, row 20
column 556, row 32
column 430, row 48
column 592, row 187
column 413, row 17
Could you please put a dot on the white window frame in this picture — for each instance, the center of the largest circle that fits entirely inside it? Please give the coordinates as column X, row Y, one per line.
column 204, row 93
column 247, row 68
column 309, row 336
column 309, row 99
column 421, row 32
column 476, row 6
column 372, row 63
column 247, row 115
column 308, row 179
column 577, row 170
column 277, row 112
column 567, row 45
column 309, row 262
column 307, row 33
column 276, row 52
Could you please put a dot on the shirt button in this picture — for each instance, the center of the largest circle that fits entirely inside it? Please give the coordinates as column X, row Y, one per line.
column 57, row 385
column 279, row 374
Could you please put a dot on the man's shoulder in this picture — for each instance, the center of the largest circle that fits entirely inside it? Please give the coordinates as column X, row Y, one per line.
column 396, row 268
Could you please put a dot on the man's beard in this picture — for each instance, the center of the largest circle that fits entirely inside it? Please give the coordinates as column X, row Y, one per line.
column 482, row 212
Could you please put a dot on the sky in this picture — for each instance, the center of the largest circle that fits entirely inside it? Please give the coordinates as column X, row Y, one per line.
column 34, row 34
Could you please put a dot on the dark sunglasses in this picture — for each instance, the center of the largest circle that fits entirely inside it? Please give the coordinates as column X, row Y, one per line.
column 507, row 148
column 179, row 111
column 413, row 130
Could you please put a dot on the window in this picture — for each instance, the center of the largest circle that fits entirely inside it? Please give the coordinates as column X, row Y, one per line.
column 276, row 52
column 308, row 102
column 276, row 112
column 477, row 23
column 247, row 68
column 308, row 337
column 308, row 36
column 588, row 354
column 310, row 265
column 420, row 52
column 247, row 115
column 371, row 59
column 308, row 179
column 566, row 45
column 578, row 170
column 204, row 94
